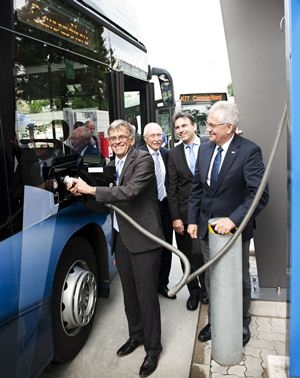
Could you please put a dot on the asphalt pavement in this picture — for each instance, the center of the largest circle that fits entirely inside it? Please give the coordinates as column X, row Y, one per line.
column 98, row 357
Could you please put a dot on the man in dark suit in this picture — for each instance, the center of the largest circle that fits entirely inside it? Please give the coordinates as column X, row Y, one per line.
column 137, row 257
column 180, row 175
column 90, row 125
column 228, row 194
column 81, row 143
column 153, row 136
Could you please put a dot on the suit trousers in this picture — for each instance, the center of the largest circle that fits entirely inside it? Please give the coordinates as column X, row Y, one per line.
column 139, row 278
column 192, row 250
column 166, row 255
column 246, row 281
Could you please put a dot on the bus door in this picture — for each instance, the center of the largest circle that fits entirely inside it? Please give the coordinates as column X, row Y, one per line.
column 133, row 100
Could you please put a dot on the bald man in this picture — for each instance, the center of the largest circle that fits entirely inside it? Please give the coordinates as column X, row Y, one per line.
column 81, row 143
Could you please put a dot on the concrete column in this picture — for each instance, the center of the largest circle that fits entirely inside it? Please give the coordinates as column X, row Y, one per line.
column 226, row 300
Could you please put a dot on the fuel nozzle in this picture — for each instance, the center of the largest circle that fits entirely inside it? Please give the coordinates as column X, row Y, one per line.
column 68, row 181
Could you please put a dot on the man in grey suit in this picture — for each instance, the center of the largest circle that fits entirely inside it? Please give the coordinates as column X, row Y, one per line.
column 137, row 257
column 226, row 192
column 180, row 175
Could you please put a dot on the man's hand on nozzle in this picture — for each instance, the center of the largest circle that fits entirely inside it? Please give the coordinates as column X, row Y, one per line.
column 79, row 187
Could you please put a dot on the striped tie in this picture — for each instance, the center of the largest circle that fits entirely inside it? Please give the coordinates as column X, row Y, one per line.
column 161, row 190
column 119, row 168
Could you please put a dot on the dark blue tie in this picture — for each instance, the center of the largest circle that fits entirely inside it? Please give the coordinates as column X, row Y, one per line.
column 216, row 167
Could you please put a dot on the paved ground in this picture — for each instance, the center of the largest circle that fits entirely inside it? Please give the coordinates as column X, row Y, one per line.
column 266, row 346
column 263, row 356
column 98, row 357
column 183, row 355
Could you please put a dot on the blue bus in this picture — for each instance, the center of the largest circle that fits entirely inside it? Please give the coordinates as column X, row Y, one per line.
column 62, row 63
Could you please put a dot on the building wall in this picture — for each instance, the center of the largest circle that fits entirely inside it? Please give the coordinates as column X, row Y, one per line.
column 256, row 49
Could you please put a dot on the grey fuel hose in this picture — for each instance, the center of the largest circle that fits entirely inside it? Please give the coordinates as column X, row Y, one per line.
column 187, row 277
column 183, row 258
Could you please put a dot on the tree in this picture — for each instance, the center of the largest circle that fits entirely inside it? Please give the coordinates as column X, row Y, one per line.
column 230, row 89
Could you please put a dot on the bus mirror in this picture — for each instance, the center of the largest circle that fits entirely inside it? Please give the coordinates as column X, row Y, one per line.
column 166, row 85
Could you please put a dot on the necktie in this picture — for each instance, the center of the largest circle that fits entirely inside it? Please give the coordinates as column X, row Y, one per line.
column 192, row 158
column 119, row 170
column 119, row 167
column 161, row 190
column 44, row 170
column 216, row 167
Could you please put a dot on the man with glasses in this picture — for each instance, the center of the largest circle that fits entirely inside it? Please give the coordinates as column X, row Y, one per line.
column 137, row 257
column 181, row 167
column 228, row 172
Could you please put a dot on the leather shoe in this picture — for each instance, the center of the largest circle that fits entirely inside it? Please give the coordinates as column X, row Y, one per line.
column 192, row 302
column 148, row 366
column 204, row 297
column 205, row 333
column 164, row 292
column 246, row 335
column 128, row 347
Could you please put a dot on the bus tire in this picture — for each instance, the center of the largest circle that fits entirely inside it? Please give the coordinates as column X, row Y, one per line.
column 74, row 298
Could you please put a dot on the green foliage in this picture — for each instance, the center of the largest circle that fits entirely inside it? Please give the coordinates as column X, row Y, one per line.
column 230, row 89
column 37, row 106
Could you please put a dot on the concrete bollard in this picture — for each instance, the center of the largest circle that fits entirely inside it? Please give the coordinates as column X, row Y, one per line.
column 226, row 302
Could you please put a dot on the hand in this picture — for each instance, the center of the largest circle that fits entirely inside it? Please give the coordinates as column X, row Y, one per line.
column 178, row 226
column 223, row 226
column 79, row 187
column 193, row 231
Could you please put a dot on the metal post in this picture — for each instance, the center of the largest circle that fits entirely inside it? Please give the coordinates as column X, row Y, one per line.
column 226, row 300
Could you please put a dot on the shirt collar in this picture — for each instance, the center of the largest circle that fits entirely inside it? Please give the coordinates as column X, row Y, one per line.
column 151, row 151
column 123, row 159
column 196, row 141
column 225, row 146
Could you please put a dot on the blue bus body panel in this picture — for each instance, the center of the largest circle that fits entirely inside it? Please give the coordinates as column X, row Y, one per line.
column 28, row 262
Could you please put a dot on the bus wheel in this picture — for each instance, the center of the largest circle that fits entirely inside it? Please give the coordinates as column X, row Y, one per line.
column 74, row 298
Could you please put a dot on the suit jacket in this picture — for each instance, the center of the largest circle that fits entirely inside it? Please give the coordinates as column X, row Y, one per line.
column 136, row 196
column 90, row 150
column 179, row 182
column 238, row 181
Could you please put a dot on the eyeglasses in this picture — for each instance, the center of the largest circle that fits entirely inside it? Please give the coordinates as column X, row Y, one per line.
column 120, row 138
column 213, row 126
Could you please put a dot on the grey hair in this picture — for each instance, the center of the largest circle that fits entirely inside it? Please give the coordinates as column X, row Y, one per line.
column 118, row 123
column 83, row 133
column 225, row 112
column 149, row 126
